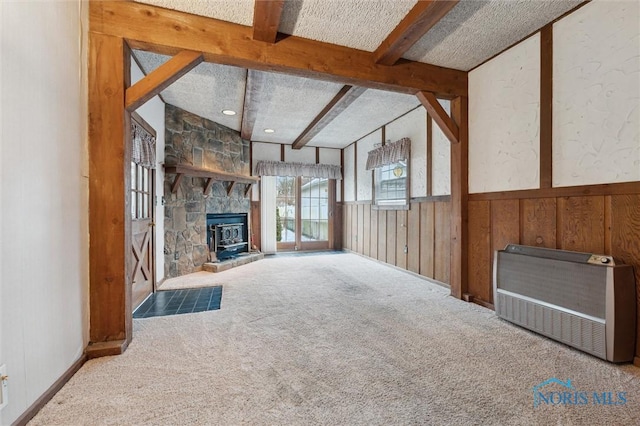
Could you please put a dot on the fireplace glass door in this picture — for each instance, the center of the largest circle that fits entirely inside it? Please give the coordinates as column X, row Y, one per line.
column 302, row 216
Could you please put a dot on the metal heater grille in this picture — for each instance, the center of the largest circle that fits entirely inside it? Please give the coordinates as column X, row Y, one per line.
column 583, row 300
column 574, row 330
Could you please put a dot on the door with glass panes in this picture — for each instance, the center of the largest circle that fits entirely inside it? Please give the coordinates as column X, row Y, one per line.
column 302, row 213
column 142, row 224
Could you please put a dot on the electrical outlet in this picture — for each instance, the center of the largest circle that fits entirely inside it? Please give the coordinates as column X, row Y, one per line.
column 4, row 386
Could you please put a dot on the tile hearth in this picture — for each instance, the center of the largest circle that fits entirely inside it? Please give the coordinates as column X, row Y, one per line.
column 239, row 260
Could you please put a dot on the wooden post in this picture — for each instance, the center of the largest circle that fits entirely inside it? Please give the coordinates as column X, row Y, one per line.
column 546, row 107
column 109, row 197
column 459, row 199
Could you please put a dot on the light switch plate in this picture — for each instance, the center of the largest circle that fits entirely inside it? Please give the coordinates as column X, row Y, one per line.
column 4, row 386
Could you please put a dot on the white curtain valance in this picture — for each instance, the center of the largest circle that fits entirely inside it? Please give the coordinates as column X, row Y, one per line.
column 144, row 146
column 280, row 168
column 389, row 153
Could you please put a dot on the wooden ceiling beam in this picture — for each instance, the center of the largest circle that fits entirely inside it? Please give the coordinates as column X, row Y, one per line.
column 334, row 108
column 252, row 91
column 166, row 31
column 440, row 116
column 424, row 15
column 161, row 78
column 266, row 19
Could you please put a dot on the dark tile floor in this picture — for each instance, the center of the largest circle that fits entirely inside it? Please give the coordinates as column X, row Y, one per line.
column 172, row 302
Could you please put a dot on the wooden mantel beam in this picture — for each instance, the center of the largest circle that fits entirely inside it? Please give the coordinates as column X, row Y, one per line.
column 439, row 115
column 266, row 19
column 168, row 32
column 161, row 78
column 424, row 16
column 335, row 107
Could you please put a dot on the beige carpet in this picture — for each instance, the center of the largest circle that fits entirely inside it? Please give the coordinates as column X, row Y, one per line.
column 337, row 339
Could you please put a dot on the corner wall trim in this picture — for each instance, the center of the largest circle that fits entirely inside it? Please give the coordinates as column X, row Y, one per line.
column 111, row 347
column 49, row 393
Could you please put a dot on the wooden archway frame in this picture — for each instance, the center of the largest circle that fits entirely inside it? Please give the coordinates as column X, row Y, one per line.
column 116, row 26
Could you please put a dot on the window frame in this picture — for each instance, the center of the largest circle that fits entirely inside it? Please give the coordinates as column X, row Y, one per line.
column 396, row 204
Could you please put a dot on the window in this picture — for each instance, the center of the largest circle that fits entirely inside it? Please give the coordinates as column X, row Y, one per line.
column 314, row 198
column 391, row 184
column 141, row 203
column 286, row 209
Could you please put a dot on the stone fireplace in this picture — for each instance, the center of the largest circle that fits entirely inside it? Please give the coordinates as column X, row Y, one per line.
column 198, row 142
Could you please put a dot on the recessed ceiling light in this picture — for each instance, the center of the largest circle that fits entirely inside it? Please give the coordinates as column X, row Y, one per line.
column 269, row 131
column 228, row 112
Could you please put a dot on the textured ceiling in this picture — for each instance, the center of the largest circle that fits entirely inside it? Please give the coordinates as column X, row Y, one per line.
column 236, row 11
column 476, row 30
column 361, row 24
column 205, row 91
column 284, row 103
column 288, row 104
column 472, row 32
column 371, row 110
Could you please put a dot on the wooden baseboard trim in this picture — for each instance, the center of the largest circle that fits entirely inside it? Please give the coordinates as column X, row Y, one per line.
column 422, row 277
column 483, row 303
column 636, row 361
column 100, row 349
column 49, row 393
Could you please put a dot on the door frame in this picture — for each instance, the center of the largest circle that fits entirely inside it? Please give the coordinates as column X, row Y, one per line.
column 298, row 244
column 137, row 118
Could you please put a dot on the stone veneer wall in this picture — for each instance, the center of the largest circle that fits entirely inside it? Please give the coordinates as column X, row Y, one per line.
column 193, row 140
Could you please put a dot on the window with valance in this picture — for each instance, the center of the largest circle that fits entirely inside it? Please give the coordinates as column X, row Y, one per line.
column 390, row 163
column 281, row 168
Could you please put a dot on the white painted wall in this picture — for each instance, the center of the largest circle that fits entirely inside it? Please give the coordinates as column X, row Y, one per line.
column 2, row 358
column 44, row 194
column 364, row 182
column 332, row 156
column 349, row 173
column 153, row 112
column 262, row 151
column 413, row 126
column 596, row 94
column 306, row 154
column 504, row 121
column 441, row 151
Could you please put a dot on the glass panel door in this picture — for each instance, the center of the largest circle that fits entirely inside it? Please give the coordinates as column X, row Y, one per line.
column 314, row 205
column 286, row 212
column 302, row 213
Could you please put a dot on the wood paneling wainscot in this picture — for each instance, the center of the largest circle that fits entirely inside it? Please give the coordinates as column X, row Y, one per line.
column 424, row 230
column 413, row 239
column 382, row 235
column 480, row 250
column 401, row 239
column 427, row 239
column 391, row 237
column 601, row 219
column 442, row 242
column 538, row 222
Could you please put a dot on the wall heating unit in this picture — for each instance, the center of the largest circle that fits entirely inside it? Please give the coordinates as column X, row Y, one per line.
column 581, row 299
